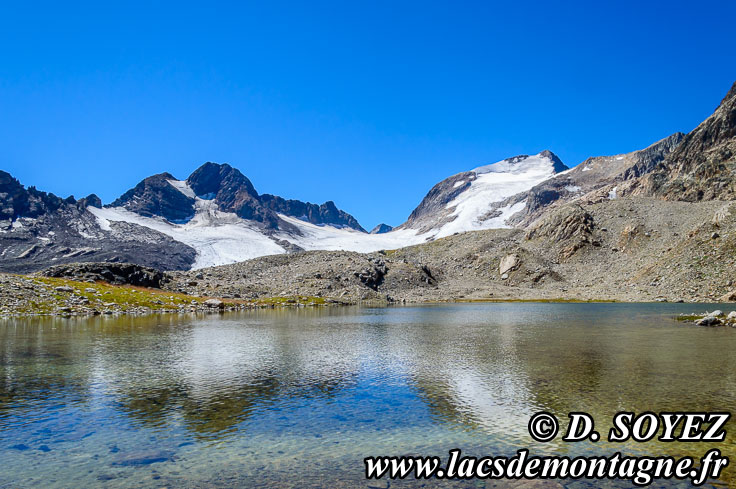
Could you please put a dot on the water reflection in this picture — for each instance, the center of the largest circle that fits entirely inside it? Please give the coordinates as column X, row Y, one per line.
column 272, row 388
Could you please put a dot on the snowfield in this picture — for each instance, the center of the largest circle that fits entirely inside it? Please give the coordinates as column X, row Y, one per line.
column 495, row 183
column 221, row 237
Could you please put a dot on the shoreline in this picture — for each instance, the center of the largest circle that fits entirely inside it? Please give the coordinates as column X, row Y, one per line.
column 32, row 296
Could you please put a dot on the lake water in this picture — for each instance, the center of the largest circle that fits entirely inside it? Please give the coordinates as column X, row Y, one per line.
column 298, row 398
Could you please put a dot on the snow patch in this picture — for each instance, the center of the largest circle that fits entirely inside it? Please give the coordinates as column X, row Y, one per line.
column 457, row 184
column 572, row 188
column 612, row 193
column 587, row 168
column 218, row 237
column 495, row 183
column 183, row 187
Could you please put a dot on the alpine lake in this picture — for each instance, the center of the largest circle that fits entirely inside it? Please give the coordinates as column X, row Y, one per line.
column 299, row 397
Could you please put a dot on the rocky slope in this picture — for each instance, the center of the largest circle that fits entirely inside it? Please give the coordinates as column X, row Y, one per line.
column 600, row 172
column 640, row 249
column 703, row 166
column 39, row 229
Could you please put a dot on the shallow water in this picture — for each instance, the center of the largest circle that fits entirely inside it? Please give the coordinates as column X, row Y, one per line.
column 298, row 398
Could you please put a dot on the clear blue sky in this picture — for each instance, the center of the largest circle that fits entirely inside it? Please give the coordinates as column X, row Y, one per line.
column 365, row 103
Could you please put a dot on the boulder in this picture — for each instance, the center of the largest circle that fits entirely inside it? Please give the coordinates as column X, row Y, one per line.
column 730, row 297
column 716, row 313
column 214, row 303
column 708, row 321
column 509, row 263
column 731, row 316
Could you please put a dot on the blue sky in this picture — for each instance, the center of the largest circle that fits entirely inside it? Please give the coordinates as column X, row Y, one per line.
column 364, row 103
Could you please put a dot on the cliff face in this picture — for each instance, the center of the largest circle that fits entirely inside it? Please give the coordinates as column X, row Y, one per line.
column 703, row 166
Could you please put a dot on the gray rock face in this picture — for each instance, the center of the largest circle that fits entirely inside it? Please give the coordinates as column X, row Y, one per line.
column 432, row 210
column 703, row 167
column 600, row 172
column 214, row 303
column 327, row 213
column 39, row 229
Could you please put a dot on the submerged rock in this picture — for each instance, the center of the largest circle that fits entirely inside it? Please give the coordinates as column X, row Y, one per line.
column 144, row 458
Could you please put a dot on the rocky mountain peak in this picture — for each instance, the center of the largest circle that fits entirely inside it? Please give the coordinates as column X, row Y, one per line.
column 557, row 163
column 155, row 196
column 470, row 200
column 381, row 229
column 18, row 201
column 703, row 166
column 211, row 179
column 232, row 192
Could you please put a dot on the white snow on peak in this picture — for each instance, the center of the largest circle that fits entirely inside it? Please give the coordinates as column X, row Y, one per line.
column 220, row 237
column 518, row 165
column 586, row 168
column 495, row 183
column 183, row 187
column 457, row 184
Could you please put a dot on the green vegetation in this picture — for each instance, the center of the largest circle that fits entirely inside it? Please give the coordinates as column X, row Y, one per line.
column 39, row 296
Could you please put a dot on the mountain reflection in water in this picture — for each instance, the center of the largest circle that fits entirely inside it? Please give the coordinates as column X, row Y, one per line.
column 228, row 398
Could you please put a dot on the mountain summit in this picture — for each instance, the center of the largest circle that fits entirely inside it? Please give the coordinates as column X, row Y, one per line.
column 471, row 200
column 231, row 191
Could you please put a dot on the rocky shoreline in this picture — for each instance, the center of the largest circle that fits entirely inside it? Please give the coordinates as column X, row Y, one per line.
column 26, row 296
column 714, row 318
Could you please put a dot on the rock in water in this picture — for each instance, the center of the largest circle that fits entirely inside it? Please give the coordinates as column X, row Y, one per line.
column 708, row 321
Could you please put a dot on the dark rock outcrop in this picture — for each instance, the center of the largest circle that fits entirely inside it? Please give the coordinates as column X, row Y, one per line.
column 17, row 201
column 92, row 200
column 39, row 229
column 232, row 191
column 327, row 213
column 114, row 273
column 155, row 196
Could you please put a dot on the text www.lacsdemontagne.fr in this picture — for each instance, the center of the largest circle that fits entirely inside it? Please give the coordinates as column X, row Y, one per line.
column 641, row 471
